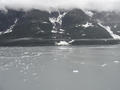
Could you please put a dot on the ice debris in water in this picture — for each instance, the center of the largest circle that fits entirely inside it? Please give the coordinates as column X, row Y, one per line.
column 89, row 13
column 116, row 62
column 10, row 29
column 103, row 65
column 82, row 63
column 75, row 71
column 62, row 43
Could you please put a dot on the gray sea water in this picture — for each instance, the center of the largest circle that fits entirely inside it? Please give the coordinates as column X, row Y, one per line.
column 60, row 68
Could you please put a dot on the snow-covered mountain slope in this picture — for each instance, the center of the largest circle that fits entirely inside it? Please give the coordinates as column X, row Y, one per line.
column 59, row 25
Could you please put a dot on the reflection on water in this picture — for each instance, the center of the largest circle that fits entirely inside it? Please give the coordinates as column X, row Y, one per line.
column 60, row 68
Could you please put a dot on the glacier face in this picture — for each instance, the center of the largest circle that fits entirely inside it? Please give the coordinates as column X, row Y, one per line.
column 63, row 26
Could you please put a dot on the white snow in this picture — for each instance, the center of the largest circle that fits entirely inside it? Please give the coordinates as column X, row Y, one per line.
column 9, row 30
column 77, row 25
column 115, row 26
column 45, row 22
column 108, row 29
column 62, row 30
column 53, row 31
column 89, row 13
column 62, row 43
column 58, row 20
column 71, row 41
column 87, row 25
column 52, row 20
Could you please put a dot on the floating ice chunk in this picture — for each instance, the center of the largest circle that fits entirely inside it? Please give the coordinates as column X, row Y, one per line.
column 26, row 52
column 75, row 71
column 38, row 54
column 82, row 63
column 108, row 29
column 62, row 43
column 103, row 65
column 87, row 25
column 61, row 31
column 116, row 62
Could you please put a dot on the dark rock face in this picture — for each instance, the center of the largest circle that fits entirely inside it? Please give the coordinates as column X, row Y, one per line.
column 7, row 18
column 75, row 24
column 30, row 24
column 42, row 25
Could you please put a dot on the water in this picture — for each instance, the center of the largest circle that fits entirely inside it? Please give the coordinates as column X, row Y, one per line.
column 60, row 68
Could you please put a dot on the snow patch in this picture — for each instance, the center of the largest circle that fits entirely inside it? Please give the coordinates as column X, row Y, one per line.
column 115, row 26
column 10, row 29
column 57, row 20
column 87, row 25
column 108, row 29
column 71, row 41
column 77, row 26
column 89, row 13
column 53, row 31
column 62, row 30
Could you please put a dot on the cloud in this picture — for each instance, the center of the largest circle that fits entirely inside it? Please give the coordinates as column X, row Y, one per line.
column 63, row 4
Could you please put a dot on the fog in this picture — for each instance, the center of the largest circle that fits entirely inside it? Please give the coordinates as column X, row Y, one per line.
column 101, row 5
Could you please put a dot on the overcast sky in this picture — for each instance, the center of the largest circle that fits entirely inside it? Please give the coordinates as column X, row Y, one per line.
column 65, row 4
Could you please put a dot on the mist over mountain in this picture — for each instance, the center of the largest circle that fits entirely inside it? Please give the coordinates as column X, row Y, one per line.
column 100, row 5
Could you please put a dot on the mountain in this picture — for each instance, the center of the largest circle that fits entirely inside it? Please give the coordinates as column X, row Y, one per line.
column 58, row 27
